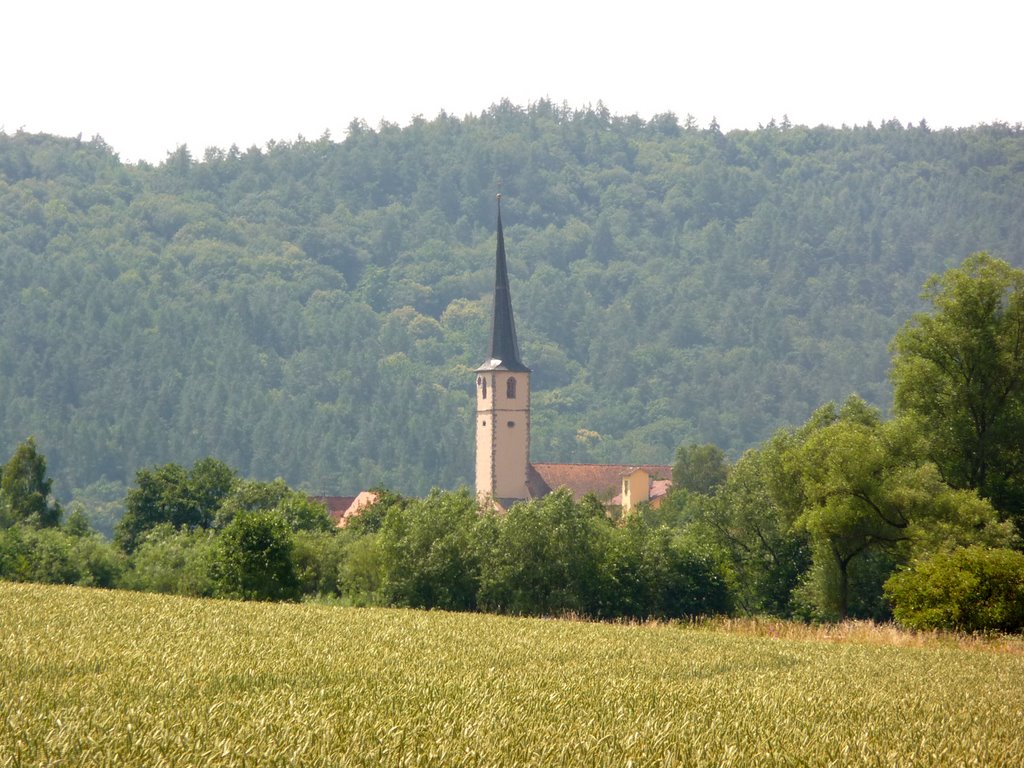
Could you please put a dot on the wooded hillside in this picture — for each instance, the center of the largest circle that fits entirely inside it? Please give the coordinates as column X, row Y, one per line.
column 313, row 310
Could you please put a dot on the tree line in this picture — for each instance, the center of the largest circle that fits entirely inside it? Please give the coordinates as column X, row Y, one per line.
column 204, row 531
column 918, row 517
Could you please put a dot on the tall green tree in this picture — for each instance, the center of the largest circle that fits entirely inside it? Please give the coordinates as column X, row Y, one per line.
column 958, row 374
column 25, row 490
column 699, row 468
column 751, row 522
column 751, row 528
column 867, row 492
column 169, row 493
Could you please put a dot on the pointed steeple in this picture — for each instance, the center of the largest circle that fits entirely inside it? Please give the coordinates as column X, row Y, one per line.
column 503, row 350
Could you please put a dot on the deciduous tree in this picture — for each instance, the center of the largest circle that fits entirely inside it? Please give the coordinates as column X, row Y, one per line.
column 751, row 528
column 25, row 489
column 958, row 374
column 253, row 558
column 867, row 490
column 700, row 468
column 171, row 494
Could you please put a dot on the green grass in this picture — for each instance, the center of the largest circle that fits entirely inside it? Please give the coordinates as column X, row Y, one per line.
column 116, row 678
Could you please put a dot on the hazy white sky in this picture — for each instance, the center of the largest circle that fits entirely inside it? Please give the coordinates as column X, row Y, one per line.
column 150, row 75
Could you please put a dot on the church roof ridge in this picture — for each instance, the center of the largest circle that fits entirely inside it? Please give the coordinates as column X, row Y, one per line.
column 583, row 478
column 600, row 464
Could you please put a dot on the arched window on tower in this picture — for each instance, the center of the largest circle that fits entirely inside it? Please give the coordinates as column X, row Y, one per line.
column 510, row 388
column 483, row 386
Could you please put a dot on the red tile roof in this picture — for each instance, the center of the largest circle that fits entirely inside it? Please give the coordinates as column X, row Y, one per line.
column 342, row 508
column 336, row 505
column 603, row 480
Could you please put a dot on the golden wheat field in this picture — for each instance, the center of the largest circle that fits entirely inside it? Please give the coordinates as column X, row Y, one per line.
column 96, row 678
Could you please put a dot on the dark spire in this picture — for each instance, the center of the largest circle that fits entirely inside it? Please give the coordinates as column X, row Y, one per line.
column 503, row 351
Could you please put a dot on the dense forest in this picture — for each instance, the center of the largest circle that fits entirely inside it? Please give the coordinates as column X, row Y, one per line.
column 313, row 310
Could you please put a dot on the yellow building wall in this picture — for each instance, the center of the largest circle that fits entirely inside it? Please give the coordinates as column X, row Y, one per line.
column 636, row 489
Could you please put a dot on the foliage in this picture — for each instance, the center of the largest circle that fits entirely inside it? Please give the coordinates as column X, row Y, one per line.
column 185, row 499
column 361, row 573
column 54, row 556
column 100, row 563
column 42, row 555
column 253, row 558
column 675, row 510
column 651, row 573
column 300, row 512
column 127, row 675
column 699, row 468
column 959, row 374
column 866, row 489
column 103, row 503
column 318, row 558
column 77, row 523
column 749, row 525
column 372, row 517
column 814, row 522
column 546, row 558
column 25, row 489
column 968, row 589
column 428, row 553
column 172, row 561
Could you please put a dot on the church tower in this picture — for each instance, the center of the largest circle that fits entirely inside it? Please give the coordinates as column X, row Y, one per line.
column 502, row 400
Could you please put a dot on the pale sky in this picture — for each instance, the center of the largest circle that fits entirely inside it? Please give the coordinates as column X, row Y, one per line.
column 150, row 75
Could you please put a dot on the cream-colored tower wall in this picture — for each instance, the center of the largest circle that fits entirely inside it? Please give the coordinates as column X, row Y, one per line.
column 502, row 434
column 484, row 435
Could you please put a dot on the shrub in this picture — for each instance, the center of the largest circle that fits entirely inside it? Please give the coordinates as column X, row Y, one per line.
column 650, row 573
column 428, row 552
column 318, row 557
column 172, row 562
column 971, row 589
column 41, row 555
column 253, row 558
column 98, row 561
column 546, row 558
column 53, row 556
column 361, row 573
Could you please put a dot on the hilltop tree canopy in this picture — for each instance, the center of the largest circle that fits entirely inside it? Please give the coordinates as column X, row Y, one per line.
column 313, row 310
